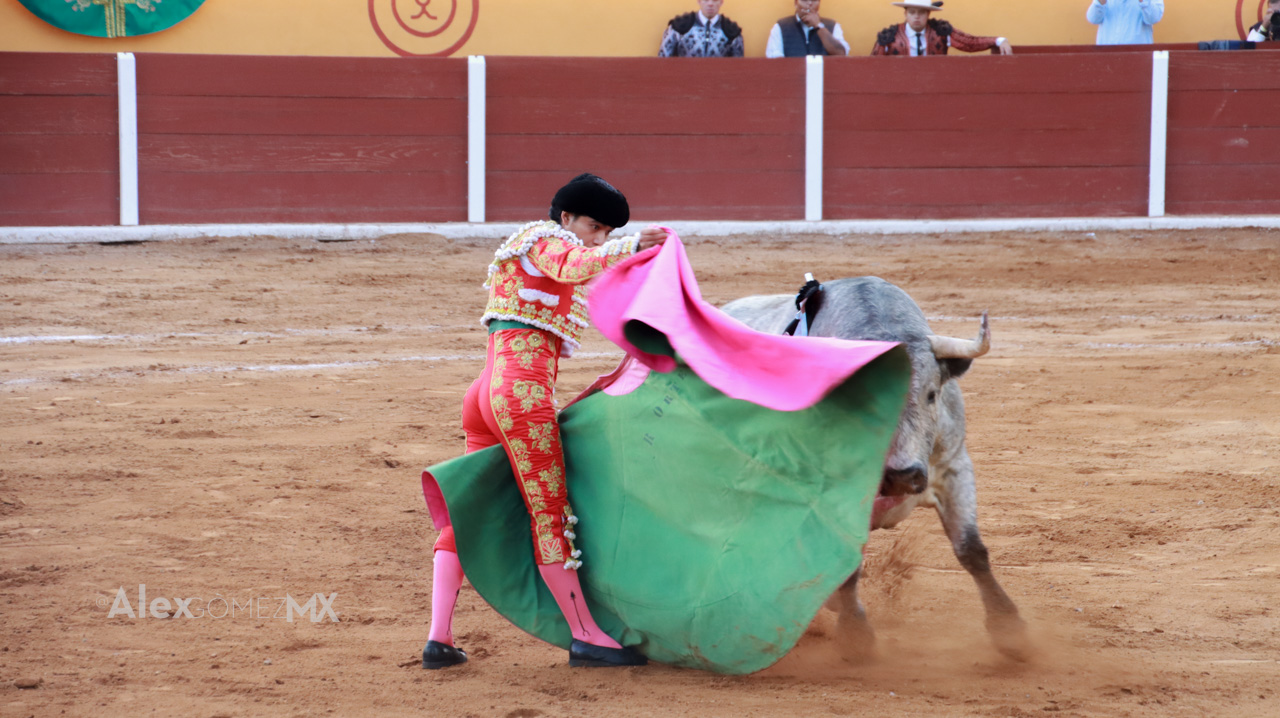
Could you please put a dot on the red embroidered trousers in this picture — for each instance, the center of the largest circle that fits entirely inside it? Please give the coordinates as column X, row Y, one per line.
column 512, row 403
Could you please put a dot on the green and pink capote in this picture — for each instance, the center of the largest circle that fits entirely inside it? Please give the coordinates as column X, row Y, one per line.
column 725, row 494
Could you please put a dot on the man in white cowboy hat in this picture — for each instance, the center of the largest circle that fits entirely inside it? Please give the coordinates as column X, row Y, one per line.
column 924, row 35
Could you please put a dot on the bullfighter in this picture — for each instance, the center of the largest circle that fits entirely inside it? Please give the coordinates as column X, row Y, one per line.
column 535, row 314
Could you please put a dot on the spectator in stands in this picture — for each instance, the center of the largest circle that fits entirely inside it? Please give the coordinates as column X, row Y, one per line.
column 924, row 35
column 1125, row 22
column 705, row 33
column 1269, row 28
column 806, row 33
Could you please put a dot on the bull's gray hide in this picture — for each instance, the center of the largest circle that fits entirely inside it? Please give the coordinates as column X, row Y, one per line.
column 928, row 464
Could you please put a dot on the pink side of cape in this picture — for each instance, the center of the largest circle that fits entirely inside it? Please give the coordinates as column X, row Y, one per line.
column 657, row 287
column 436, row 507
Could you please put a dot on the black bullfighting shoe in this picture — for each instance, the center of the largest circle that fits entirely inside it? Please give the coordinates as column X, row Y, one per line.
column 442, row 655
column 585, row 655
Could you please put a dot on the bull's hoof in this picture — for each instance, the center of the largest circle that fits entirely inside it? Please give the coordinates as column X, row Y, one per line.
column 1009, row 633
column 855, row 639
column 858, row 654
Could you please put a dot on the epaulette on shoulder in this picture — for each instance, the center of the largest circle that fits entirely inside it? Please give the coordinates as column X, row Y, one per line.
column 942, row 27
column 887, row 36
column 683, row 23
column 731, row 29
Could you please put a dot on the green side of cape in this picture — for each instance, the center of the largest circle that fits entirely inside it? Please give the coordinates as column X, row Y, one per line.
column 95, row 19
column 712, row 529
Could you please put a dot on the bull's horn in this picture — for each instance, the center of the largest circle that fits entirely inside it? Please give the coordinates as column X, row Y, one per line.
column 952, row 348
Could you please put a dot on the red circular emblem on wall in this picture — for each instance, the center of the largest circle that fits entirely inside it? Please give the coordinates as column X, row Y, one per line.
column 424, row 28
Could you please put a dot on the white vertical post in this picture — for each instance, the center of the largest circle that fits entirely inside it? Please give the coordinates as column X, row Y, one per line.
column 475, row 138
column 127, row 91
column 813, row 129
column 1159, row 131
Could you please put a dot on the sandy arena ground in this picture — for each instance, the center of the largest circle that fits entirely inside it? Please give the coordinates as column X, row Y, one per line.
column 246, row 419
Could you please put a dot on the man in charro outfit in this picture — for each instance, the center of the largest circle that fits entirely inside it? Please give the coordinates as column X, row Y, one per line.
column 806, row 33
column 705, row 33
column 922, row 35
column 536, row 312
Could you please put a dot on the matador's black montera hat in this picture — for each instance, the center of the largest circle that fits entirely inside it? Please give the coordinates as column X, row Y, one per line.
column 588, row 194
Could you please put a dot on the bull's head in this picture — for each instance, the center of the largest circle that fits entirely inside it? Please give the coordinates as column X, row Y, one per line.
column 934, row 407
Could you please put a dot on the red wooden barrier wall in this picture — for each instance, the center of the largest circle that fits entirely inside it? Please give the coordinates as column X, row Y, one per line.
column 1224, row 133
column 295, row 139
column 689, row 139
column 987, row 136
column 59, row 142
column 301, row 139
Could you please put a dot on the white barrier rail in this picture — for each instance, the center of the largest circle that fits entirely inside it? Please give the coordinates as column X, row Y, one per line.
column 127, row 92
column 476, row 136
column 1159, row 131
column 463, row 230
column 130, row 199
column 813, row 132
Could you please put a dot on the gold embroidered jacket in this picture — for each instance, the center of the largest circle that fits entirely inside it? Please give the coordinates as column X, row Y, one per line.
column 538, row 277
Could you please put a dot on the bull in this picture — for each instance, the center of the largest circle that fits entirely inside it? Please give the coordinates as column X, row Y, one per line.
column 927, row 464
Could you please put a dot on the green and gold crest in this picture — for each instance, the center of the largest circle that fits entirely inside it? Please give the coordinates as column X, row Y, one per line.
column 112, row 18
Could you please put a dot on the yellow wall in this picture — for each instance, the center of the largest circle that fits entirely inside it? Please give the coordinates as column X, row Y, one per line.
column 575, row 27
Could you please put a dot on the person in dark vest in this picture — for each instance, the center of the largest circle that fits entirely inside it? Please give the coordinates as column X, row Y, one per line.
column 923, row 35
column 806, row 33
column 705, row 33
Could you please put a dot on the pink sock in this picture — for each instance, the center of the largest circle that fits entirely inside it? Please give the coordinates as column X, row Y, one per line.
column 446, row 581
column 567, row 589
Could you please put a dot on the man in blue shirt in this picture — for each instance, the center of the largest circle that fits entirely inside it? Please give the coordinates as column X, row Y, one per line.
column 1125, row 22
